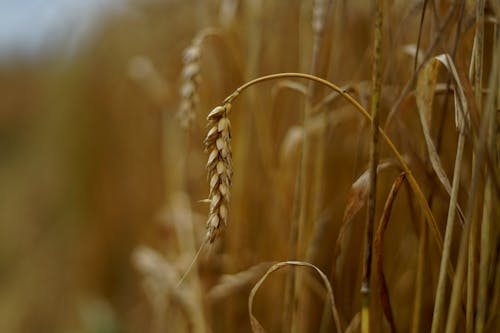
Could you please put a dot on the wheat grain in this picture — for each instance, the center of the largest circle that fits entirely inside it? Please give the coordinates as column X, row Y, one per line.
column 219, row 169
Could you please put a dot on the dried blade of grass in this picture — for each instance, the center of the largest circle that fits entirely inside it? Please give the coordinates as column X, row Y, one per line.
column 463, row 122
column 358, row 193
column 257, row 327
column 356, row 199
column 480, row 148
column 462, row 116
column 379, row 250
column 229, row 284
column 441, row 288
column 424, row 95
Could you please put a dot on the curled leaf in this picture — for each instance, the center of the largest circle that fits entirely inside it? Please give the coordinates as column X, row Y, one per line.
column 424, row 95
column 257, row 327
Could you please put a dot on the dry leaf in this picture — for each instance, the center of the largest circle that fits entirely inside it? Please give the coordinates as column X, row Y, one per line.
column 257, row 327
column 424, row 95
column 356, row 199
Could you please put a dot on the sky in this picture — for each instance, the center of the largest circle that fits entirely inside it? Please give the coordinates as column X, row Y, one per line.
column 30, row 28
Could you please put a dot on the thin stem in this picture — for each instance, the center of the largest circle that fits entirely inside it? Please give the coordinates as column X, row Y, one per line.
column 478, row 79
column 486, row 225
column 415, row 64
column 320, row 11
column 372, row 196
column 480, row 149
column 450, row 222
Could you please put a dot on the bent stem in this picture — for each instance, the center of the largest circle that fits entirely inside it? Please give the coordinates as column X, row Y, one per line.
column 404, row 166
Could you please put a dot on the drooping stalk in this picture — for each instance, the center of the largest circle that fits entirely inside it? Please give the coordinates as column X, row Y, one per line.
column 404, row 166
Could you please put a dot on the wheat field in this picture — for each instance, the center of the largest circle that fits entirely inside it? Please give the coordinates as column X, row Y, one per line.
column 257, row 166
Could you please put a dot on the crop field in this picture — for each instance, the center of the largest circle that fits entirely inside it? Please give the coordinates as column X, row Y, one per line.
column 256, row 166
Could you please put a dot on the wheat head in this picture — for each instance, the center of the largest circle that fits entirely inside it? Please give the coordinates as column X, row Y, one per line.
column 219, row 169
column 190, row 81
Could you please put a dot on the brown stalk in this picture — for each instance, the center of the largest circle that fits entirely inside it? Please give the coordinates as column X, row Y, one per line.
column 478, row 86
column 375, row 106
column 487, row 227
column 480, row 149
column 379, row 249
column 422, row 17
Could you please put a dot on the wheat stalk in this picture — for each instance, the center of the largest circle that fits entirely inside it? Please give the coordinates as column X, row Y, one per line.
column 218, row 144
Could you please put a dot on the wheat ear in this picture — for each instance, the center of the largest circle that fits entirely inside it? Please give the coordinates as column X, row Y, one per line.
column 191, row 78
column 190, row 82
column 219, row 169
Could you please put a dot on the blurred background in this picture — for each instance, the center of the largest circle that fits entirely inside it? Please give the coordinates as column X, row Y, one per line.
column 101, row 184
column 80, row 166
